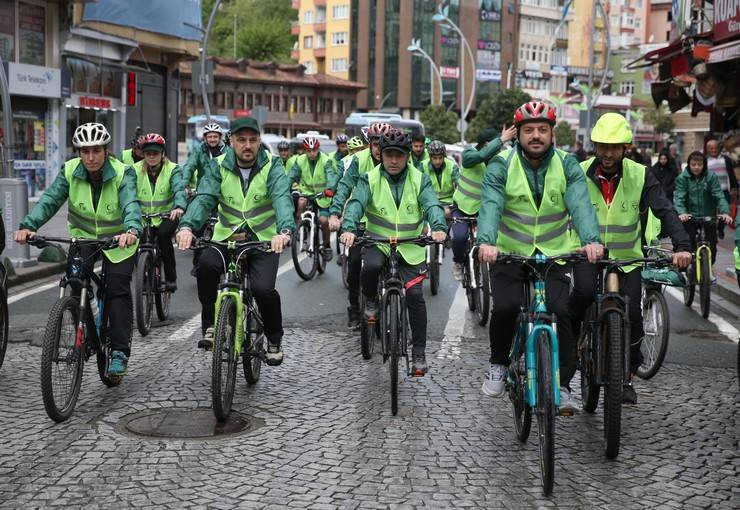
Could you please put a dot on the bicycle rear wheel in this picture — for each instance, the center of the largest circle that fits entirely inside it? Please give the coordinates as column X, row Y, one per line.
column 161, row 297
column 143, row 299
column 345, row 270
column 434, row 269
column 470, row 292
column 656, row 324
column 367, row 332
column 223, row 377
column 545, row 412
column 482, row 293
column 3, row 324
column 255, row 344
column 304, row 261
column 690, row 289
column 613, row 384
column 517, row 394
column 705, row 286
column 589, row 358
column 62, row 359
column 319, row 252
column 393, row 327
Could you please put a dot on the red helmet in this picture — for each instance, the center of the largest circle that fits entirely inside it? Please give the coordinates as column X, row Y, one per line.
column 152, row 140
column 378, row 129
column 535, row 111
column 311, row 142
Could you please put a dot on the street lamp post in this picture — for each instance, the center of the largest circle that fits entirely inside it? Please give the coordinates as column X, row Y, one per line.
column 203, row 54
column 416, row 50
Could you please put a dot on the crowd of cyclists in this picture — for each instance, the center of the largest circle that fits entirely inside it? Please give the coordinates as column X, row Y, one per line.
column 529, row 196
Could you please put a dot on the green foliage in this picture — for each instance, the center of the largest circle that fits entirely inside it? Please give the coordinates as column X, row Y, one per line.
column 496, row 111
column 439, row 124
column 564, row 135
column 262, row 29
column 660, row 119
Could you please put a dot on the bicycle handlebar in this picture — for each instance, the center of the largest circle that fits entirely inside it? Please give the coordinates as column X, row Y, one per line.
column 238, row 245
column 421, row 240
column 43, row 241
column 704, row 220
column 540, row 259
column 162, row 215
column 465, row 219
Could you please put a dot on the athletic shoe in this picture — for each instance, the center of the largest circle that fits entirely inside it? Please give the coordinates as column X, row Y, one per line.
column 493, row 385
column 207, row 341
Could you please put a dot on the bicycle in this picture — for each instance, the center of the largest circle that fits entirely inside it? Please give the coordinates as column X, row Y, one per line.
column 700, row 272
column 76, row 329
column 4, row 321
column 306, row 243
column 435, row 257
column 391, row 327
column 533, row 375
column 239, row 331
column 476, row 277
column 604, row 348
column 148, row 281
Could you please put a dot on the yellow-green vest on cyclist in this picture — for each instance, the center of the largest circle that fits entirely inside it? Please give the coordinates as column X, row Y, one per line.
column 87, row 222
column 442, row 185
column 161, row 198
column 467, row 194
column 315, row 182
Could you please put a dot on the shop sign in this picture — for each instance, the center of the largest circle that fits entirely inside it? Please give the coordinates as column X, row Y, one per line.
column 490, row 10
column 450, row 41
column 558, row 70
column 36, row 81
column 28, row 164
column 449, row 72
column 533, row 74
column 488, row 75
column 241, row 112
column 727, row 51
column 101, row 102
column 489, row 59
column 484, row 44
column 726, row 19
column 95, row 102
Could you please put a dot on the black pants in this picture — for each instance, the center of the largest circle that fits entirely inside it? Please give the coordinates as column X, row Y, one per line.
column 354, row 259
column 262, row 275
column 710, row 234
column 507, row 296
column 585, row 276
column 118, row 299
column 164, row 232
column 459, row 236
column 374, row 260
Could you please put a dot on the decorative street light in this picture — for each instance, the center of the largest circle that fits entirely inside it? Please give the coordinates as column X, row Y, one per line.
column 204, row 54
column 416, row 50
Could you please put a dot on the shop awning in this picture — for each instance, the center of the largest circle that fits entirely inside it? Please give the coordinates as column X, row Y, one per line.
column 658, row 55
column 724, row 52
column 92, row 44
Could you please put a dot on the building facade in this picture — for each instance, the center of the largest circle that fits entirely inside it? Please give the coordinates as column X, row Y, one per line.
column 323, row 30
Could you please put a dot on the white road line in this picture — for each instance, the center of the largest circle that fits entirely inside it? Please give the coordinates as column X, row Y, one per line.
column 186, row 330
column 30, row 292
column 289, row 265
column 450, row 348
column 722, row 325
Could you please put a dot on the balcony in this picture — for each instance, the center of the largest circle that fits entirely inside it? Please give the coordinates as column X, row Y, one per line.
column 319, row 26
column 296, row 4
column 295, row 28
column 319, row 3
column 319, row 52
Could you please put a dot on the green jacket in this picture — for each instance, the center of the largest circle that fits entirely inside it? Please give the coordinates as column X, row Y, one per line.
column 472, row 156
column 198, row 160
column 209, row 192
column 699, row 196
column 418, row 162
column 177, row 184
column 355, row 210
column 577, row 199
column 58, row 193
column 330, row 168
column 345, row 186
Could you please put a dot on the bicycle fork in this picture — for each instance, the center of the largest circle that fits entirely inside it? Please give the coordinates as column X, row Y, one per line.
column 471, row 266
column 531, row 354
column 238, row 320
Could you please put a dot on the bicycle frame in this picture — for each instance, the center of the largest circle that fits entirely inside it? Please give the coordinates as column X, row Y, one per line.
column 703, row 250
column 607, row 302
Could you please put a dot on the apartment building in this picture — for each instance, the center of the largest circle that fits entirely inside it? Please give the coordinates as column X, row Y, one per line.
column 323, row 30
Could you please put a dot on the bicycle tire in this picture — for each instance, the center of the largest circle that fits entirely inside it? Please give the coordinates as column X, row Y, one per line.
column 393, row 338
column 224, row 363
column 253, row 342
column 74, row 359
column 3, row 325
column 296, row 251
column 162, row 298
column 367, row 333
column 434, row 270
column 588, row 356
column 545, row 412
column 705, row 286
column 319, row 253
column 690, row 289
column 143, row 293
column 521, row 410
column 482, row 293
column 613, row 381
column 345, row 271
column 469, row 290
column 654, row 346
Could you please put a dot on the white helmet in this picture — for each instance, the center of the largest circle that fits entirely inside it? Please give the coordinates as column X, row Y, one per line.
column 91, row 134
column 212, row 128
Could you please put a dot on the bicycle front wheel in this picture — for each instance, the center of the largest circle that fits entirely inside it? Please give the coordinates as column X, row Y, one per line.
column 482, row 293
column 705, row 286
column 254, row 346
column 345, row 270
column 613, row 384
column 319, row 249
column 690, row 288
column 589, row 359
column 434, row 269
column 3, row 324
column 62, row 359
column 545, row 412
column 223, row 377
column 393, row 337
column 303, row 256
column 517, row 394
column 656, row 324
column 143, row 284
column 161, row 297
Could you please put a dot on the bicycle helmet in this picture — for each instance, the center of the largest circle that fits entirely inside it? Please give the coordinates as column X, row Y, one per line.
column 378, row 129
column 612, row 128
column 341, row 138
column 91, row 134
column 395, row 139
column 535, row 111
column 363, row 131
column 283, row 146
column 355, row 143
column 311, row 142
column 437, row 148
column 153, row 141
column 212, row 128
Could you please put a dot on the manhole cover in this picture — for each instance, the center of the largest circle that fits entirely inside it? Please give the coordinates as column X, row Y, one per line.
column 187, row 423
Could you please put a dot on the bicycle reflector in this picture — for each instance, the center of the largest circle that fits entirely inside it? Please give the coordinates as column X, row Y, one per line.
column 328, row 193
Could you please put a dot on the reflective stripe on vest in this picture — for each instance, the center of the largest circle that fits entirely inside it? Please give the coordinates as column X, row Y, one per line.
column 236, row 211
column 314, row 182
column 737, row 257
column 467, row 194
column 385, row 219
column 523, row 227
column 87, row 222
column 162, row 190
column 445, row 188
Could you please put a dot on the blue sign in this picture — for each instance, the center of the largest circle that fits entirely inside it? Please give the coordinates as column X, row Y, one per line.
column 170, row 17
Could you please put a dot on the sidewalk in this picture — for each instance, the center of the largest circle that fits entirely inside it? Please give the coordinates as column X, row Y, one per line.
column 724, row 268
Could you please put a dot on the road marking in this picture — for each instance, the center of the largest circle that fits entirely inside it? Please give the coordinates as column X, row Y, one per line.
column 452, row 339
column 186, row 330
column 30, row 292
column 722, row 325
column 289, row 265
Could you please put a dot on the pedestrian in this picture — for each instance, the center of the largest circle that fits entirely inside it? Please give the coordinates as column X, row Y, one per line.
column 674, row 154
column 722, row 166
column 578, row 151
column 665, row 171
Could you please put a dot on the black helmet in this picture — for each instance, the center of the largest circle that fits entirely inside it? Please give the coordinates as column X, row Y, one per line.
column 283, row 146
column 341, row 138
column 395, row 139
column 437, row 148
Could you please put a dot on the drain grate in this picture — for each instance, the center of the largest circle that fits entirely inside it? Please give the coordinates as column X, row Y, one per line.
column 199, row 423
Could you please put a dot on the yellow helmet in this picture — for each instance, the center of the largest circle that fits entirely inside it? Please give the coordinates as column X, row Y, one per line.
column 612, row 128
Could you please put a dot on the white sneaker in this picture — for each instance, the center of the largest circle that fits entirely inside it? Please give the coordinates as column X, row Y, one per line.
column 567, row 405
column 493, row 385
column 457, row 271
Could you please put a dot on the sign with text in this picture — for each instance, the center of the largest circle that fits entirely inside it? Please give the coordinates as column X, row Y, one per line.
column 726, row 19
column 450, row 72
column 488, row 75
column 450, row 41
column 490, row 10
column 484, row 44
column 36, row 81
column 99, row 102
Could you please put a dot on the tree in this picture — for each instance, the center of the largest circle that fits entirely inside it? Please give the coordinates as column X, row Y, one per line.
column 439, row 124
column 497, row 111
column 564, row 135
column 659, row 119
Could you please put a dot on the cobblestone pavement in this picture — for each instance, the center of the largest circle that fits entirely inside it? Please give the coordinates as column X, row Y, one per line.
column 329, row 440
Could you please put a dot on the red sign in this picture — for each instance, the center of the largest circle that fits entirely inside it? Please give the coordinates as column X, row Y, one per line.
column 131, row 89
column 94, row 102
column 240, row 112
column 449, row 72
column 726, row 19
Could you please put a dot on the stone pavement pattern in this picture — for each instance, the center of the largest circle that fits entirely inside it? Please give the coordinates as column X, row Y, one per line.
column 329, row 440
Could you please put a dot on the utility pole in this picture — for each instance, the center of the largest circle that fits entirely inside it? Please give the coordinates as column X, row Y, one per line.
column 203, row 55
column 234, row 35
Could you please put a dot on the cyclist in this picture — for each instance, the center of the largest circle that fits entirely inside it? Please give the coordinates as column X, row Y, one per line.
column 314, row 172
column 283, row 148
column 198, row 161
column 253, row 197
column 100, row 192
column 362, row 162
column 698, row 193
column 443, row 172
column 354, row 144
column 466, row 199
column 160, row 189
column 342, row 150
column 419, row 152
column 298, row 151
column 133, row 154
column 527, row 194
column 396, row 197
column 620, row 191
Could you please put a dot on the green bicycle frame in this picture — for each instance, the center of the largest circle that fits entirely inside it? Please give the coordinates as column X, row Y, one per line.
column 237, row 296
column 703, row 254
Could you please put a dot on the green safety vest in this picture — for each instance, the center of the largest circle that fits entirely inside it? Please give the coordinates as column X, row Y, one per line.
column 468, row 191
column 161, row 198
column 313, row 183
column 365, row 161
column 385, row 219
column 235, row 210
column 86, row 222
column 652, row 228
column 737, row 257
column 444, row 188
column 619, row 224
column 127, row 157
column 523, row 227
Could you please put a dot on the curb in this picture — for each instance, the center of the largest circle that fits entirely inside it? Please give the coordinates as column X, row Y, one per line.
column 729, row 292
column 42, row 272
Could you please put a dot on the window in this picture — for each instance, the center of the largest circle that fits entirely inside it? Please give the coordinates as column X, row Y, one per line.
column 338, row 65
column 309, row 105
column 627, row 88
column 308, row 16
column 7, row 30
column 31, row 32
column 308, row 42
column 339, row 38
column 308, row 64
column 320, row 41
column 340, row 11
column 320, row 15
column 301, row 104
column 250, row 101
column 229, row 100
